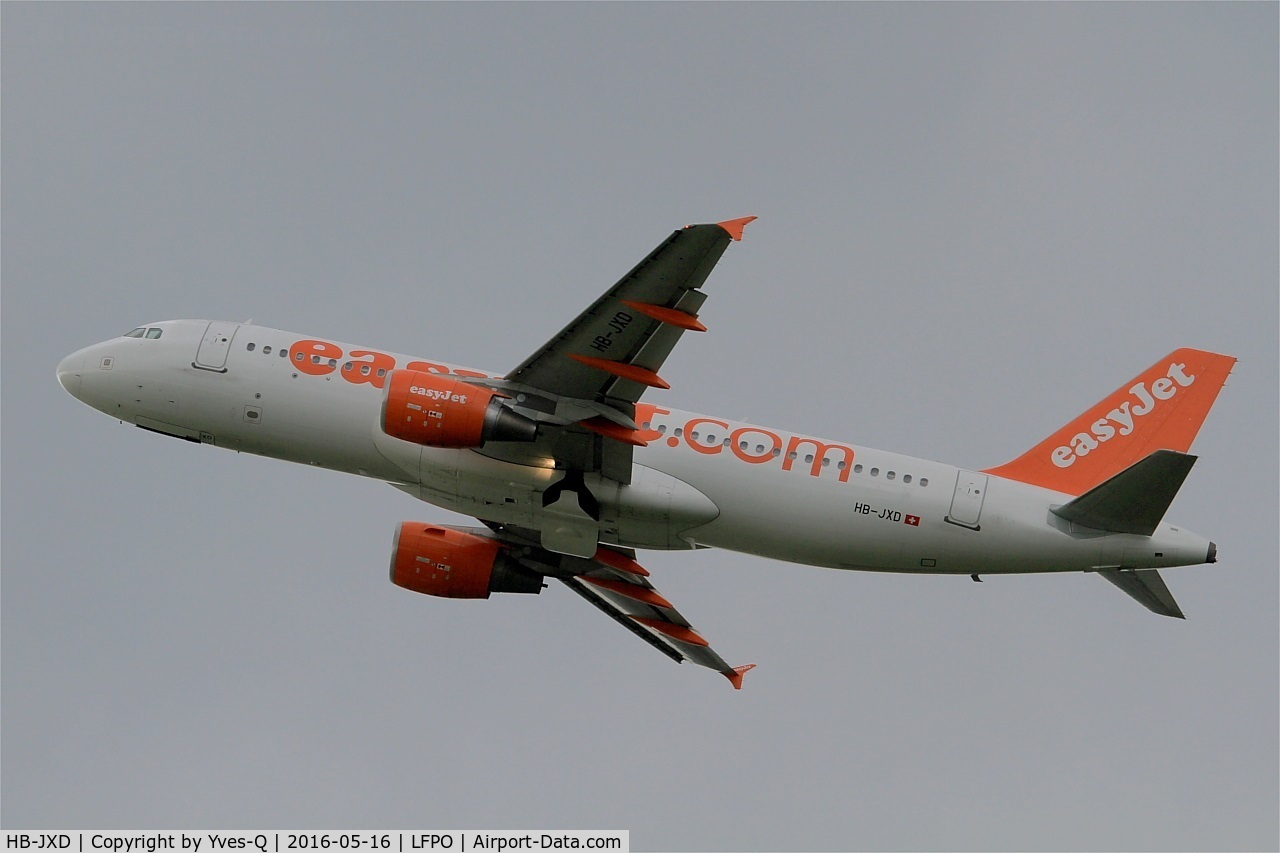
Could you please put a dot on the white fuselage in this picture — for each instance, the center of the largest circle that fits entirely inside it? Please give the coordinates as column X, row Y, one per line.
column 700, row 481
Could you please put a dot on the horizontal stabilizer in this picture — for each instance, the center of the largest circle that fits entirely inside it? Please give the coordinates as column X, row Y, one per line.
column 1146, row 587
column 1136, row 499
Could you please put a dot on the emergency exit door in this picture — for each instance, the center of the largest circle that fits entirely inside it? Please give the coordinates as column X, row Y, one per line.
column 214, row 346
column 966, row 502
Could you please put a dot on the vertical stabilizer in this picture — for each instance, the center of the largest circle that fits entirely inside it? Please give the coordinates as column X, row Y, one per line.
column 1161, row 408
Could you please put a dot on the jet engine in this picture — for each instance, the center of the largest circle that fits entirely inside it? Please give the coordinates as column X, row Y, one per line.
column 443, row 411
column 454, row 563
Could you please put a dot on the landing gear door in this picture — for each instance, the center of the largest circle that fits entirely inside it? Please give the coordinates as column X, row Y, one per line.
column 966, row 503
column 214, row 346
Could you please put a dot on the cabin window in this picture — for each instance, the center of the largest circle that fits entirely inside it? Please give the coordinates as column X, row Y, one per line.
column 875, row 472
column 924, row 481
column 906, row 478
column 857, row 469
column 250, row 347
column 889, row 476
column 266, row 350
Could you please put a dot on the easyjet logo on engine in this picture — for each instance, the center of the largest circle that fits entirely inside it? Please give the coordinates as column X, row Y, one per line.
column 434, row 394
column 1123, row 419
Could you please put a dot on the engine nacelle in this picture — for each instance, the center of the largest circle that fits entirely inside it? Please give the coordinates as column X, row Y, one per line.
column 443, row 411
column 452, row 563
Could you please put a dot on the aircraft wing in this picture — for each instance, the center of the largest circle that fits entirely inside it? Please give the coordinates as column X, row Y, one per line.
column 582, row 385
column 613, row 350
column 614, row 582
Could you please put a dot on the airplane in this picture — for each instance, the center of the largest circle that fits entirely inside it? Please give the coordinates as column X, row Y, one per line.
column 570, row 473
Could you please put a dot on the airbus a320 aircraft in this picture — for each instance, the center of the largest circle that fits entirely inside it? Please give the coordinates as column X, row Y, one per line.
column 570, row 473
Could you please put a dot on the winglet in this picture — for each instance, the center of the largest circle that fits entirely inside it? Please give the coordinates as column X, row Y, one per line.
column 735, row 677
column 735, row 226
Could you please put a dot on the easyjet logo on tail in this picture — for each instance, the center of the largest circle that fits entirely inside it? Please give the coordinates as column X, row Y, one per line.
column 1121, row 420
column 1161, row 408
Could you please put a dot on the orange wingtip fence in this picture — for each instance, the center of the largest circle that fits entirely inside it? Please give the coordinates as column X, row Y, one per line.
column 735, row 677
column 735, row 226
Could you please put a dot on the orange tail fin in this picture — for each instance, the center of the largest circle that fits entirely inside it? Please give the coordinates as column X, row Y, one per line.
column 1159, row 409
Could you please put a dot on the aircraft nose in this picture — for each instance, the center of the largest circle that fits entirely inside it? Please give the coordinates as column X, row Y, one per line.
column 69, row 373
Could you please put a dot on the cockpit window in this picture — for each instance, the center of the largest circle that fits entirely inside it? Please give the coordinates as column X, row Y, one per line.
column 144, row 332
column 154, row 333
column 136, row 333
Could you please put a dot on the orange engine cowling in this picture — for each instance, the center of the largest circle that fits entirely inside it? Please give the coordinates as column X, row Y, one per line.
column 443, row 411
column 452, row 563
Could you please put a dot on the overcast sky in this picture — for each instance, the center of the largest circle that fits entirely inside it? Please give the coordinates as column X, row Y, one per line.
column 975, row 221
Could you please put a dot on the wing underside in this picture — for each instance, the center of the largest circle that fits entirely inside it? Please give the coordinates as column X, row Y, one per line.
column 616, row 584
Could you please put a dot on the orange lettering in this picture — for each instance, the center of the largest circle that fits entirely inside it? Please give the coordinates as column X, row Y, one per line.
column 702, row 448
column 317, row 358
column 645, row 414
column 374, row 371
column 753, row 458
column 820, row 451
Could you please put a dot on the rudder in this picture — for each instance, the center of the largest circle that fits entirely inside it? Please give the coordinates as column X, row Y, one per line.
column 1161, row 408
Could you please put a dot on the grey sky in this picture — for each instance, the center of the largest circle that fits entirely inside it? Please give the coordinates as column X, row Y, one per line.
column 975, row 221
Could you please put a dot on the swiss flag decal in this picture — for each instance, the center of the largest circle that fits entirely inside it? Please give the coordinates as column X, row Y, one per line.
column 913, row 520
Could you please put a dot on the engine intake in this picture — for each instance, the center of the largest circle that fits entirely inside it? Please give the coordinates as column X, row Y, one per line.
column 443, row 411
column 452, row 563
